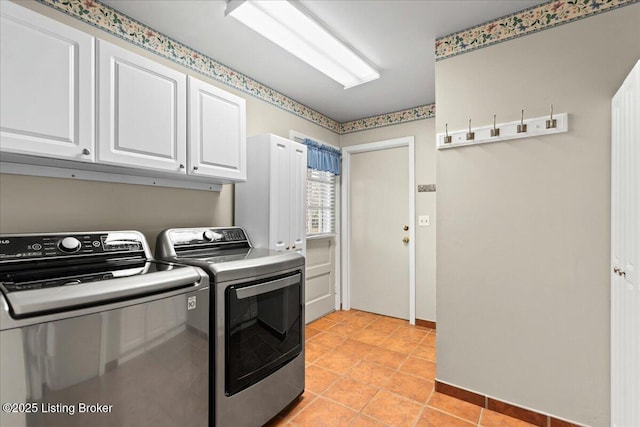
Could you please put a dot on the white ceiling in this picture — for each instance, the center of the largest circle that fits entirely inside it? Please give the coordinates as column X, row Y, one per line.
column 396, row 36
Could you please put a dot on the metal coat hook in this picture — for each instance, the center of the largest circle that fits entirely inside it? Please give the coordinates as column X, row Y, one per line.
column 447, row 137
column 470, row 135
column 552, row 123
column 495, row 131
column 522, row 127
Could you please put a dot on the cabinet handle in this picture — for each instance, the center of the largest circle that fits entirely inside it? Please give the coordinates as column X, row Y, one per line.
column 195, row 168
column 181, row 166
column 619, row 272
column 86, row 152
column 287, row 248
column 293, row 247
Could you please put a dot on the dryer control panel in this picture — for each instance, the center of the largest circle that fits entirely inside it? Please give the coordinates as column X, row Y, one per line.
column 186, row 237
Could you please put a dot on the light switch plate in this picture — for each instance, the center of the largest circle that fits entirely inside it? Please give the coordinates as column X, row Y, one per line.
column 424, row 221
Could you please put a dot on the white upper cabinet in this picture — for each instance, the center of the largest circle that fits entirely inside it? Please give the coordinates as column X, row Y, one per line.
column 141, row 111
column 47, row 86
column 217, row 132
column 67, row 97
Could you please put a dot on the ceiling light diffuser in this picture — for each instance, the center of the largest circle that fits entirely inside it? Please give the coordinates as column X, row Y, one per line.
column 291, row 28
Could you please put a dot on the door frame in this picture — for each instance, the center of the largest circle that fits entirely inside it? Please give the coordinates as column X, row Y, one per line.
column 408, row 142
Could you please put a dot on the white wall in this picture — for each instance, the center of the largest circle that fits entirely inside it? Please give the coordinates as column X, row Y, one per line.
column 424, row 134
column 523, row 226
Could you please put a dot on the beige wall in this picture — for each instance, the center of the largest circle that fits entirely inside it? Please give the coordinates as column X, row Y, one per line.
column 424, row 137
column 523, row 226
column 31, row 204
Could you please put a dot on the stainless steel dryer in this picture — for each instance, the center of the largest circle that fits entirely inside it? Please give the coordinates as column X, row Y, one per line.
column 95, row 333
column 258, row 320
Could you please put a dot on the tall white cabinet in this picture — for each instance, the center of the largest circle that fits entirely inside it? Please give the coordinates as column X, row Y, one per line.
column 46, row 86
column 271, row 204
column 625, row 253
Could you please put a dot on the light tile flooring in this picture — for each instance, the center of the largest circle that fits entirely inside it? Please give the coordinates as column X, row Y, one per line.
column 369, row 370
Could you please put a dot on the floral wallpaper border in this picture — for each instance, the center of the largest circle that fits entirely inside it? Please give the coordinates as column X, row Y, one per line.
column 545, row 16
column 403, row 116
column 528, row 21
column 114, row 22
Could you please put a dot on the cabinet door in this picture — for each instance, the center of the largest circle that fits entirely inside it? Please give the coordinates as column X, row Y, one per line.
column 47, row 86
column 217, row 132
column 279, row 209
column 142, row 111
column 298, row 192
column 625, row 253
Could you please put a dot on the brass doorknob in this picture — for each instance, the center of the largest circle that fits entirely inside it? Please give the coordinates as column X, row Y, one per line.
column 405, row 240
column 405, row 228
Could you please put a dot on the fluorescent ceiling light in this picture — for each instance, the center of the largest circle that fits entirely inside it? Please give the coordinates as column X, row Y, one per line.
column 295, row 31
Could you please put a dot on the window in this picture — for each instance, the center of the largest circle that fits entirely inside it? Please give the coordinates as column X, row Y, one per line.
column 321, row 202
column 324, row 164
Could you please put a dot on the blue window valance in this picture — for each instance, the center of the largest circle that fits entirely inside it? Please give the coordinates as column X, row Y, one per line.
column 323, row 157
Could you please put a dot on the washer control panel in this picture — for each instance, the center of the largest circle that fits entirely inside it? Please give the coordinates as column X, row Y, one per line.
column 198, row 236
column 30, row 246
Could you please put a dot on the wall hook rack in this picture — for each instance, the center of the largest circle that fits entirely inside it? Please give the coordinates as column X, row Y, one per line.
column 506, row 131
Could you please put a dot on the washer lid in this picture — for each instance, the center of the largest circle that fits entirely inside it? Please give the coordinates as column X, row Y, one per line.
column 163, row 278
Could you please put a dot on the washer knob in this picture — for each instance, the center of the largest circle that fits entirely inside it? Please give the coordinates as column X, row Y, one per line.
column 208, row 235
column 69, row 245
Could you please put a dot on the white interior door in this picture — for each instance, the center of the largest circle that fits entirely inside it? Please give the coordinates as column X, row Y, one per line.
column 378, row 212
column 625, row 254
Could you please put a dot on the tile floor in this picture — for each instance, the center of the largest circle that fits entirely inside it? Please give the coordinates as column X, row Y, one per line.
column 365, row 369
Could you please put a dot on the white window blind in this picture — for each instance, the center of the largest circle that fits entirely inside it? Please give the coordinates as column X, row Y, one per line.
column 321, row 202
